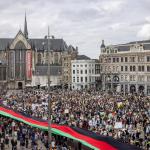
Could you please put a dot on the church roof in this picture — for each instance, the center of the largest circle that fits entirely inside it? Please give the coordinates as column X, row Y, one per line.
column 4, row 42
column 39, row 44
column 55, row 44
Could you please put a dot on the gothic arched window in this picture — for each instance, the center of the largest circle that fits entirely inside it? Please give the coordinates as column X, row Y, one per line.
column 56, row 58
column 39, row 58
column 20, row 45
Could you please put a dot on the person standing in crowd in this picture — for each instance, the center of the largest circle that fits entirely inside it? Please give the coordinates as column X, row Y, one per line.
column 126, row 118
column 14, row 144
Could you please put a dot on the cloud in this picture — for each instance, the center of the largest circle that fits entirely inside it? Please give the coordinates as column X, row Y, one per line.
column 144, row 31
column 111, row 6
column 82, row 23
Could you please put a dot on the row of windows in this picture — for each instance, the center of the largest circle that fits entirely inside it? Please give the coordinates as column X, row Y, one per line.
column 81, row 79
column 126, row 59
column 133, row 68
column 90, row 65
column 116, row 59
column 97, row 71
column 82, row 86
column 85, row 71
column 140, row 78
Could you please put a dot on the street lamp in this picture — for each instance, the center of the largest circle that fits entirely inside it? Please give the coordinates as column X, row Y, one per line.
column 49, row 100
column 49, row 96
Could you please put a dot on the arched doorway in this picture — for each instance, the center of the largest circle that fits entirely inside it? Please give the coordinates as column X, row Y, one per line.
column 66, row 86
column 115, row 83
column 116, row 79
column 141, row 88
column 20, row 85
column 132, row 89
column 38, row 86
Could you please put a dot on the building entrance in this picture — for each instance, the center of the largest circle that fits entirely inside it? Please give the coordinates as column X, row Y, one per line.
column 141, row 88
column 20, row 85
column 132, row 89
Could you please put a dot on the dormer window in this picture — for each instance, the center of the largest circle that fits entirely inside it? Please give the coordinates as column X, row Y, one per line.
column 104, row 50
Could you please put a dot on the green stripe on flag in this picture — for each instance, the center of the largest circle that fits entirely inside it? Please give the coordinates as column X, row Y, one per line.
column 54, row 131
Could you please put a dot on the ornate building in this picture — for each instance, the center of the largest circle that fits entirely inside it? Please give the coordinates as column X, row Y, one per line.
column 126, row 67
column 69, row 55
column 20, row 56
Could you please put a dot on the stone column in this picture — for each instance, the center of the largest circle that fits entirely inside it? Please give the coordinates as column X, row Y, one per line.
column 145, row 89
column 137, row 88
column 128, row 88
column 103, row 82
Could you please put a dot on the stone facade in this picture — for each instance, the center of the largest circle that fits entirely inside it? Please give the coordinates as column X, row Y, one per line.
column 69, row 55
column 19, row 57
column 126, row 67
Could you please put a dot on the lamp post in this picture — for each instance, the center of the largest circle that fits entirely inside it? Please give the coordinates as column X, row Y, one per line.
column 104, row 81
column 23, row 98
column 111, row 81
column 49, row 95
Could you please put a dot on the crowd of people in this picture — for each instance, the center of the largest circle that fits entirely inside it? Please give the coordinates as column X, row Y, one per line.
column 126, row 118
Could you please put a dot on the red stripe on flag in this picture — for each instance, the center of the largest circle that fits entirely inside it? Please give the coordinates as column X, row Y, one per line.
column 96, row 143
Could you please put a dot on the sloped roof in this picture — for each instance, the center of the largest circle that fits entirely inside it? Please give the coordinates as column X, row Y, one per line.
column 126, row 47
column 39, row 44
column 4, row 42
column 147, row 46
column 55, row 44
column 123, row 48
column 42, row 70
column 144, row 41
column 82, row 57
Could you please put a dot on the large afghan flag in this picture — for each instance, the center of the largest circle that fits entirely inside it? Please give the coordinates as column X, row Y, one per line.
column 87, row 138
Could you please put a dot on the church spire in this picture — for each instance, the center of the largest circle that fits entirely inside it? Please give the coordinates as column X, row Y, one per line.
column 25, row 27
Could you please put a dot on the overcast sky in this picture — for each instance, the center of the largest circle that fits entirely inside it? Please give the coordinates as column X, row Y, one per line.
column 82, row 23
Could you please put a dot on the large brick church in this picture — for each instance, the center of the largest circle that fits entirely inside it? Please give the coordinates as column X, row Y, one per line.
column 22, row 57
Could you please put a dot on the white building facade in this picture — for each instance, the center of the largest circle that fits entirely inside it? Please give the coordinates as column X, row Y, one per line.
column 83, row 74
